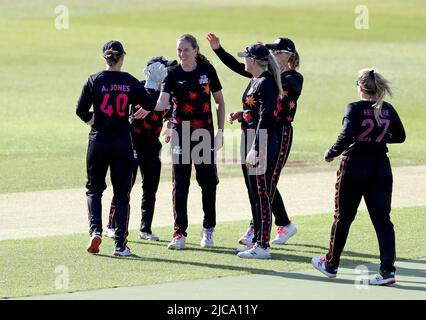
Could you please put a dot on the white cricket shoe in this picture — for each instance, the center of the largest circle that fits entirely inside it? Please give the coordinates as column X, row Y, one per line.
column 247, row 238
column 244, row 248
column 122, row 252
column 383, row 279
column 321, row 264
column 148, row 236
column 284, row 233
column 255, row 252
column 109, row 233
column 207, row 238
column 178, row 242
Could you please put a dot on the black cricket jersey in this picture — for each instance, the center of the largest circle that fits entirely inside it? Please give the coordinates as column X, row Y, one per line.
column 148, row 129
column 291, row 81
column 111, row 93
column 192, row 94
column 259, row 102
column 362, row 135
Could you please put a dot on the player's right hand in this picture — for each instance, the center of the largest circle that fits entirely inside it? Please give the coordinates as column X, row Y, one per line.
column 140, row 113
column 234, row 116
column 213, row 40
column 326, row 157
column 168, row 132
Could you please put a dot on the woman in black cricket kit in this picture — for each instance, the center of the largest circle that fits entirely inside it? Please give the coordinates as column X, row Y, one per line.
column 192, row 83
column 287, row 57
column 259, row 140
column 365, row 171
column 111, row 93
column 260, row 146
column 147, row 149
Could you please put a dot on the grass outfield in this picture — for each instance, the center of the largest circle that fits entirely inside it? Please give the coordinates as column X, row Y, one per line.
column 31, row 268
column 43, row 143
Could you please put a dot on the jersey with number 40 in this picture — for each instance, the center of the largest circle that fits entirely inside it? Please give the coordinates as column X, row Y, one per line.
column 111, row 93
column 362, row 134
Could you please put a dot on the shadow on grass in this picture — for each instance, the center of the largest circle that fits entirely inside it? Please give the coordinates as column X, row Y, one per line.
column 290, row 274
column 285, row 253
column 276, row 250
column 347, row 264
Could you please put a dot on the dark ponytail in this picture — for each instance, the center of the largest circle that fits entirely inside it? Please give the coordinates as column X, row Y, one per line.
column 111, row 57
column 201, row 58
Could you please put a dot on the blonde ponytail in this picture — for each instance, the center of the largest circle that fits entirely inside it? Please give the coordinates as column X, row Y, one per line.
column 375, row 84
column 274, row 68
column 294, row 60
column 271, row 64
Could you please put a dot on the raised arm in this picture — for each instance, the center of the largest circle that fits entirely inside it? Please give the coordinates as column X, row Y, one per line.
column 226, row 58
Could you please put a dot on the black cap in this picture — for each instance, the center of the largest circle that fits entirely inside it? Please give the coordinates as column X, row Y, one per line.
column 113, row 45
column 284, row 44
column 162, row 60
column 255, row 51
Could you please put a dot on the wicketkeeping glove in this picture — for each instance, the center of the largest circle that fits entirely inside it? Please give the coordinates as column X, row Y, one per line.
column 155, row 74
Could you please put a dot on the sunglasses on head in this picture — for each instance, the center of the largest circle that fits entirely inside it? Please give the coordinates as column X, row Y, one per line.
column 280, row 51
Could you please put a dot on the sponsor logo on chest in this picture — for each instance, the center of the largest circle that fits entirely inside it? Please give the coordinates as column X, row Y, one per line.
column 203, row 79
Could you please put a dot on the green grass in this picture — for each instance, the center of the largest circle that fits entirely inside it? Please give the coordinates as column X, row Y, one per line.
column 28, row 266
column 43, row 143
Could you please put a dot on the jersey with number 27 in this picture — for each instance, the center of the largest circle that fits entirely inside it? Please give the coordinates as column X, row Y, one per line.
column 362, row 134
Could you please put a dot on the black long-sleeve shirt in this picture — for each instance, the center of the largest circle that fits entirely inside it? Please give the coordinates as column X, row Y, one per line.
column 259, row 102
column 111, row 93
column 259, row 99
column 291, row 81
column 362, row 135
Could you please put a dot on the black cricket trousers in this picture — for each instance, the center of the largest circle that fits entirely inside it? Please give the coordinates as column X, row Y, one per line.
column 259, row 182
column 285, row 136
column 115, row 153
column 368, row 176
column 206, row 175
column 147, row 159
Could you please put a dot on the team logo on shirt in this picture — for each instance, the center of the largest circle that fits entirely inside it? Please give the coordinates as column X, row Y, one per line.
column 250, row 101
column 177, row 150
column 204, row 79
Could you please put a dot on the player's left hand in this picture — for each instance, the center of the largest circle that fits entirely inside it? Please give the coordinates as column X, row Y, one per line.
column 91, row 122
column 140, row 113
column 213, row 40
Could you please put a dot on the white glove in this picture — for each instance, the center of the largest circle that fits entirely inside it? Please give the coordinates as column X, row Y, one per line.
column 155, row 74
